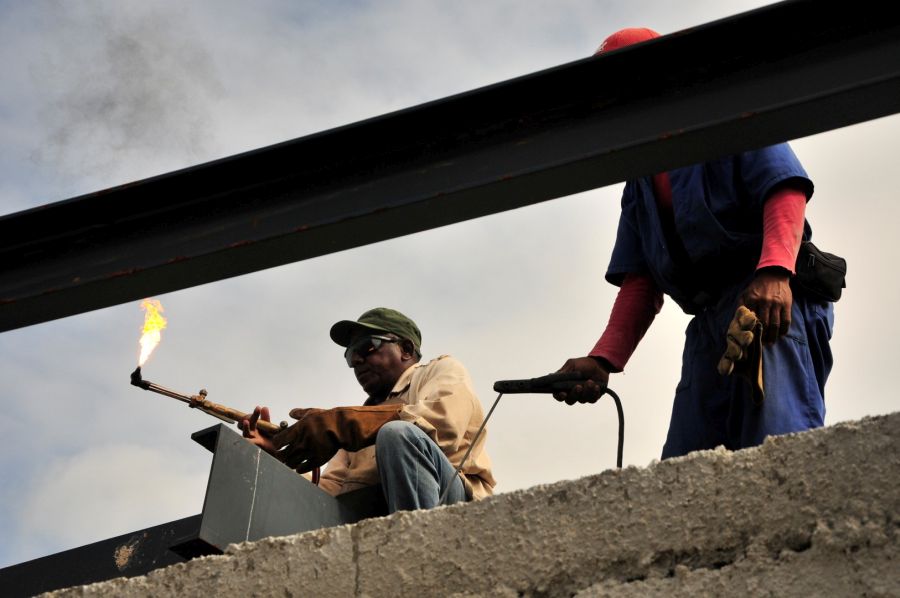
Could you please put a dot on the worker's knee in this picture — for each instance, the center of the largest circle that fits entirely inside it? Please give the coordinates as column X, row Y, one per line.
column 395, row 435
column 396, row 429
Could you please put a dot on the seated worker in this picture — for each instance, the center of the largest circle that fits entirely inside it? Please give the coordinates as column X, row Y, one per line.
column 410, row 434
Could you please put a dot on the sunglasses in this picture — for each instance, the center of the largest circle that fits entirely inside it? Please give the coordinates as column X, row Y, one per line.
column 366, row 346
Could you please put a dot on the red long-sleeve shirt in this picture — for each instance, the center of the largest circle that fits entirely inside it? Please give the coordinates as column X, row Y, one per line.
column 639, row 299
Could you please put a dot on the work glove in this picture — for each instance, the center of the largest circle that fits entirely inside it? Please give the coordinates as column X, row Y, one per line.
column 743, row 351
column 318, row 434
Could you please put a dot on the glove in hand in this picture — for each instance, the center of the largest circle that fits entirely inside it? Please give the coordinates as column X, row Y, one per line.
column 743, row 351
column 318, row 434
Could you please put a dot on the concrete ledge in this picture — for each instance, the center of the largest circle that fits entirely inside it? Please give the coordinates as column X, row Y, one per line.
column 805, row 514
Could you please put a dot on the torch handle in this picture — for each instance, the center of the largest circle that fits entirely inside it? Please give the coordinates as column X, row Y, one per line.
column 265, row 428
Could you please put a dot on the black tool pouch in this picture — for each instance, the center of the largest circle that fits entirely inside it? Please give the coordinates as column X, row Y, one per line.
column 820, row 274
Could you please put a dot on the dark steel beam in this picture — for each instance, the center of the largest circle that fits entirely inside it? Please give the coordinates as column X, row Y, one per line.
column 128, row 555
column 251, row 495
column 785, row 71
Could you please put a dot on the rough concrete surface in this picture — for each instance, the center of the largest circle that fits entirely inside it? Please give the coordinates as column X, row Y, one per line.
column 809, row 514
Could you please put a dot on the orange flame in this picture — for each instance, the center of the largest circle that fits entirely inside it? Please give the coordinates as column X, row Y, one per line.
column 153, row 324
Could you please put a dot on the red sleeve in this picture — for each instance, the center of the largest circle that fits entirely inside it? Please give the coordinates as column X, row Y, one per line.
column 636, row 305
column 783, row 217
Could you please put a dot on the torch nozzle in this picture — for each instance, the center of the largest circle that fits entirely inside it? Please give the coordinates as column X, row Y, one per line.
column 136, row 379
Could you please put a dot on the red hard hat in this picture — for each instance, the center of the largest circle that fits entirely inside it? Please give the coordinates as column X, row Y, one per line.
column 626, row 37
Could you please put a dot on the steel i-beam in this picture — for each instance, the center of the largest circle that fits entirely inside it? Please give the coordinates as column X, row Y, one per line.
column 781, row 72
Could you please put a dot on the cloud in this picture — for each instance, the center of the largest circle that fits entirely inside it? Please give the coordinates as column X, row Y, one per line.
column 115, row 486
column 129, row 83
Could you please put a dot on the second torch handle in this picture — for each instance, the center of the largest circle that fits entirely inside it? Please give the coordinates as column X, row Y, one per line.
column 267, row 429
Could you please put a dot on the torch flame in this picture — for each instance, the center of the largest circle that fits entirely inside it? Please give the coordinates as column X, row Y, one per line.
column 153, row 324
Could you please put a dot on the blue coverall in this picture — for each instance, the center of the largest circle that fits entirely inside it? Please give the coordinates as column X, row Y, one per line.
column 705, row 266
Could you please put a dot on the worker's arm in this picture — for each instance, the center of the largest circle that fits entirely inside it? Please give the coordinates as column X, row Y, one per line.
column 769, row 294
column 636, row 306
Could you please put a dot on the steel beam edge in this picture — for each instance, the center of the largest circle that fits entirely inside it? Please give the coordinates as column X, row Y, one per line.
column 582, row 125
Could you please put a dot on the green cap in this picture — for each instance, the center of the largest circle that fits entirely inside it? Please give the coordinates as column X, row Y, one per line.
column 374, row 321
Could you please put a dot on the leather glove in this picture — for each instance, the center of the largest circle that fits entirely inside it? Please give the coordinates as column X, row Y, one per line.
column 743, row 351
column 318, row 434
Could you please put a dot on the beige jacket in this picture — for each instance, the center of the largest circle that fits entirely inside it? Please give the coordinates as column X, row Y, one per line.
column 438, row 398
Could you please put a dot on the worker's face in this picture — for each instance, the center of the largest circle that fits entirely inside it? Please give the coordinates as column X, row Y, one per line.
column 378, row 369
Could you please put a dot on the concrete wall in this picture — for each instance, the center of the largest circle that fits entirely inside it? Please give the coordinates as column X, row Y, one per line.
column 810, row 514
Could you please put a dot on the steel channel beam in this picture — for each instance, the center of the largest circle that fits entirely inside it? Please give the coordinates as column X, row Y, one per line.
column 778, row 73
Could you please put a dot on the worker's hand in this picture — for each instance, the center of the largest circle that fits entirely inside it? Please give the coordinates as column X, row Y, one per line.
column 318, row 433
column 594, row 385
column 769, row 296
column 251, row 433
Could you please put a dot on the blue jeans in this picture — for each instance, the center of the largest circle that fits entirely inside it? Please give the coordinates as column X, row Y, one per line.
column 414, row 471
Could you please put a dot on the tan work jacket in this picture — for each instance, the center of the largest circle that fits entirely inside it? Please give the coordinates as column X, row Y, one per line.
column 438, row 398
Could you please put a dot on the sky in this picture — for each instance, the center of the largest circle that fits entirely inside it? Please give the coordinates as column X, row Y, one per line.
column 100, row 93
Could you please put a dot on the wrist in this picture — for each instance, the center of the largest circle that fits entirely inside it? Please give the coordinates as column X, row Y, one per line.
column 603, row 363
column 774, row 271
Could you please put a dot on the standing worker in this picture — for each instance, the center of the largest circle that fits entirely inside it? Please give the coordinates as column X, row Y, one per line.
column 715, row 236
column 410, row 435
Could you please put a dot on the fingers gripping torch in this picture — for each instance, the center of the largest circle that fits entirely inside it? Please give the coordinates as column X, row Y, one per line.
column 548, row 384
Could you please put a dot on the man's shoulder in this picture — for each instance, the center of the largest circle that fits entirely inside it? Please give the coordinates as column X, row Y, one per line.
column 444, row 370
column 443, row 367
column 442, row 362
